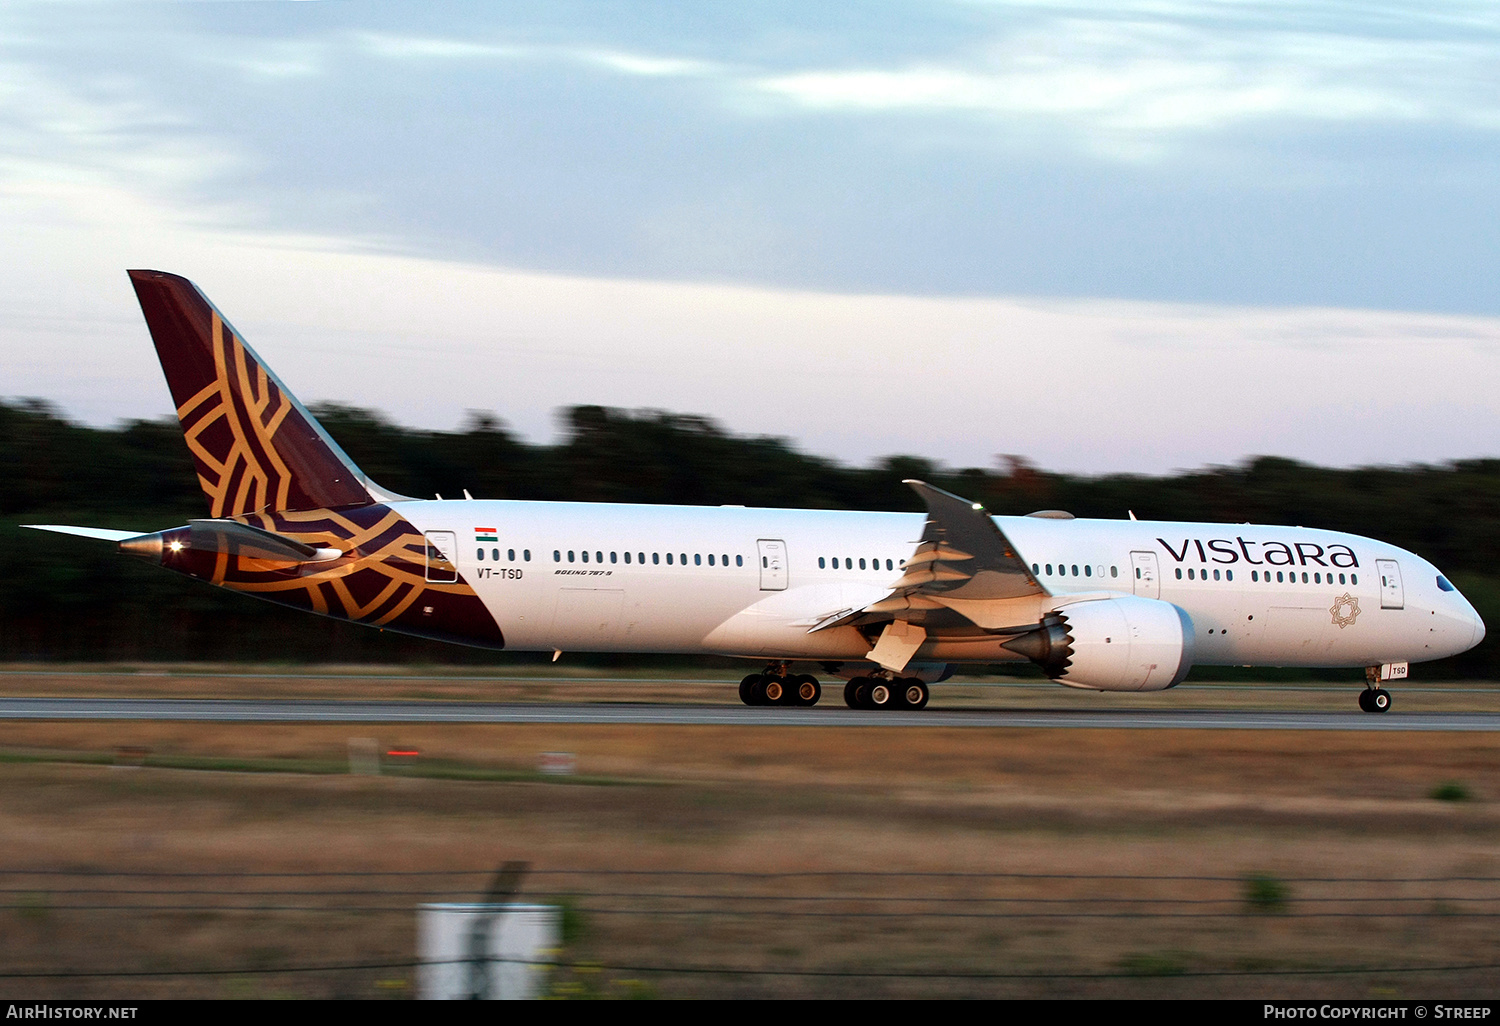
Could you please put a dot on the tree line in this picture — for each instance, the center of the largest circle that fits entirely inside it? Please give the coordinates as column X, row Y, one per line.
column 68, row 599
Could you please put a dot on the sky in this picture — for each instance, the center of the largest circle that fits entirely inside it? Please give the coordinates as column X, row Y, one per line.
column 1131, row 236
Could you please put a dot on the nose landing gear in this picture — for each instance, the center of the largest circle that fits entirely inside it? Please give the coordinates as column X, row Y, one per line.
column 1375, row 698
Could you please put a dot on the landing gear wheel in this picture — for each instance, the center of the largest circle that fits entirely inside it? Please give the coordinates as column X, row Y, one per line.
column 850, row 687
column 776, row 691
column 861, row 693
column 805, row 689
column 1380, row 701
column 748, row 688
column 913, row 693
column 1364, row 699
column 881, row 695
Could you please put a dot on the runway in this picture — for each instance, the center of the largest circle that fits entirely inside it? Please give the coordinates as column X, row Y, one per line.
column 309, row 711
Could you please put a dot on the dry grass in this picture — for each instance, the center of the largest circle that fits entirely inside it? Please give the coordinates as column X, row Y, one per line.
column 848, row 801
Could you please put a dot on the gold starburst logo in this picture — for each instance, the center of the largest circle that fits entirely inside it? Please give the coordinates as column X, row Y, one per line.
column 1345, row 610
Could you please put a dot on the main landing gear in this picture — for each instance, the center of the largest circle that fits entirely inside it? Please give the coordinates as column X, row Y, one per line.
column 879, row 693
column 777, row 687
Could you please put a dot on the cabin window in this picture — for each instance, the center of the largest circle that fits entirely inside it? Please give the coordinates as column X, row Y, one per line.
column 848, row 563
column 613, row 558
column 585, row 555
column 1228, row 575
column 1138, row 573
column 763, row 562
column 1255, row 575
column 1049, row 569
column 1278, row 577
column 1304, row 577
column 510, row 554
column 861, row 564
column 739, row 560
column 627, row 557
column 710, row 559
column 1114, row 571
column 655, row 557
column 669, row 559
column 697, row 559
column 1341, row 578
column 526, row 555
column 684, row 558
column 1075, row 569
column 640, row 557
column 889, row 565
column 1088, row 571
column 1354, row 578
column 481, row 555
column 556, row 556
column 1035, row 570
column 1179, row 572
column 822, row 563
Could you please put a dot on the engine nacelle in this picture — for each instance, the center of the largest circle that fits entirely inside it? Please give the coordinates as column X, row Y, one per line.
column 1127, row 643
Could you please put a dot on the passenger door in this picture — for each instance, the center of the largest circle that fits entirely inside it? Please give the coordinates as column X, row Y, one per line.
column 772, row 564
column 1145, row 579
column 1391, row 594
column 442, row 557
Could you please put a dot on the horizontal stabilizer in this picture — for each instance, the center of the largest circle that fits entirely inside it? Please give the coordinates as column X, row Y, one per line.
column 239, row 539
column 97, row 533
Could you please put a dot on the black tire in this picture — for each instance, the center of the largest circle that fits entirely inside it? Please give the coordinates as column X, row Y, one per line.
column 1380, row 701
column 1364, row 699
column 747, row 688
column 806, row 690
column 850, row 699
column 776, row 691
column 909, row 686
column 861, row 693
column 879, row 688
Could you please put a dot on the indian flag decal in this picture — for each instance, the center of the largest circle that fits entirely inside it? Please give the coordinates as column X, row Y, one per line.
column 486, row 534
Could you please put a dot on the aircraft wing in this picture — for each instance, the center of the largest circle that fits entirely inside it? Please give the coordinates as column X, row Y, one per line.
column 963, row 564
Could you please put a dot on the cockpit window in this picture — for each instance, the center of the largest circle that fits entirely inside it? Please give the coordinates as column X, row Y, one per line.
column 1444, row 585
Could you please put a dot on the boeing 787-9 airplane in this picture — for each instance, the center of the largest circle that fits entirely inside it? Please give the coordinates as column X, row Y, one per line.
column 889, row 602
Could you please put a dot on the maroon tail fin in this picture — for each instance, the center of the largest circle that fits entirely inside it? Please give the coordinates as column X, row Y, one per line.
column 256, row 447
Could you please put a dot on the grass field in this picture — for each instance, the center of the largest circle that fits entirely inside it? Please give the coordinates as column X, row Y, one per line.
column 1105, row 862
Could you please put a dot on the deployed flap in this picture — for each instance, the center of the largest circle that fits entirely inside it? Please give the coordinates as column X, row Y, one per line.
column 898, row 643
column 964, row 554
column 963, row 565
column 239, row 539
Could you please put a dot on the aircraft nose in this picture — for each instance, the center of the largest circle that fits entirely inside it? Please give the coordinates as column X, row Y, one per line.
column 1478, row 629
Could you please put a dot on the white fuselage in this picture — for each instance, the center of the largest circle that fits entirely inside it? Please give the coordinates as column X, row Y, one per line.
column 601, row 577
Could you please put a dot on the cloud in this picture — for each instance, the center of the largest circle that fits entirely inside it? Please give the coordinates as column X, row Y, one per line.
column 1115, row 77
